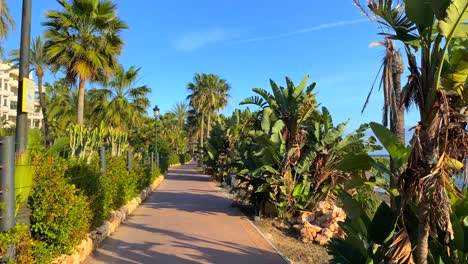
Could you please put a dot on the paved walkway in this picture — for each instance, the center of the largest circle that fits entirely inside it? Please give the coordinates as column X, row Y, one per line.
column 187, row 220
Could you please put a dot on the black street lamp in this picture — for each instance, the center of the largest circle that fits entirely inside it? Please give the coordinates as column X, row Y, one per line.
column 21, row 116
column 156, row 116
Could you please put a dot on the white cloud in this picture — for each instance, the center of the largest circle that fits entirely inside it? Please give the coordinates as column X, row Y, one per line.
column 305, row 30
column 195, row 40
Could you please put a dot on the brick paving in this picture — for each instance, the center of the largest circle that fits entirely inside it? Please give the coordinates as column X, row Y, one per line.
column 187, row 220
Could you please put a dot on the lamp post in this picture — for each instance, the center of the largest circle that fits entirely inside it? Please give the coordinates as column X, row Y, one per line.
column 156, row 116
column 21, row 116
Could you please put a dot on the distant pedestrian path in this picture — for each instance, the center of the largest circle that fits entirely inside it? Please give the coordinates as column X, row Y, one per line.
column 187, row 220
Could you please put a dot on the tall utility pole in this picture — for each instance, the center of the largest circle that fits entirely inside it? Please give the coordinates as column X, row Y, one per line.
column 22, row 117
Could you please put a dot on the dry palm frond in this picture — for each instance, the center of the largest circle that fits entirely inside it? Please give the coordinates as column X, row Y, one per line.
column 400, row 251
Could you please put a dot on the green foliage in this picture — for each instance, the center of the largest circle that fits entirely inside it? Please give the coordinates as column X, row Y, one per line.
column 173, row 158
column 60, row 215
column 365, row 234
column 20, row 237
column 293, row 155
column 367, row 199
column 107, row 193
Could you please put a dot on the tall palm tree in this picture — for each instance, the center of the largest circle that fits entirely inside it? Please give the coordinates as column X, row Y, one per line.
column 197, row 102
column 180, row 115
column 6, row 21
column 83, row 40
column 394, row 108
column 216, row 92
column 38, row 64
column 121, row 104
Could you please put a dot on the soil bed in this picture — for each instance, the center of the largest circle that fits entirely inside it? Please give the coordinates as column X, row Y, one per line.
column 287, row 241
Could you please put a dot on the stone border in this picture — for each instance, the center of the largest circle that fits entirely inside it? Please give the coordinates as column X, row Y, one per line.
column 94, row 238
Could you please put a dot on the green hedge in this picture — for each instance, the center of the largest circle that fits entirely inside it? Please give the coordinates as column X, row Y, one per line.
column 60, row 214
column 107, row 193
column 69, row 197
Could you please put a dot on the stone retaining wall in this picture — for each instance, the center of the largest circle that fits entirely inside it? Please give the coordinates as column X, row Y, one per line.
column 95, row 237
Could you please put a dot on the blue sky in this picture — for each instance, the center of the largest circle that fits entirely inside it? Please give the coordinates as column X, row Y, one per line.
column 246, row 43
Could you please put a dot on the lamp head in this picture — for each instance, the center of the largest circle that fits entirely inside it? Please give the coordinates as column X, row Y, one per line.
column 156, row 111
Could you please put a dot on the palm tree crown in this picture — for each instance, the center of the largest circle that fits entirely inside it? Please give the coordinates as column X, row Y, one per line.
column 38, row 64
column 121, row 104
column 6, row 21
column 83, row 40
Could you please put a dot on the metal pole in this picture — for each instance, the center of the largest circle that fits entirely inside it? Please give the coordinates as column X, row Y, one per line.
column 7, row 189
column 102, row 159
column 22, row 117
column 157, row 153
column 152, row 163
column 129, row 160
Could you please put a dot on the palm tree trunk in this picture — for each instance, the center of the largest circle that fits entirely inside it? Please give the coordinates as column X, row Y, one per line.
column 200, row 148
column 42, row 102
column 208, row 125
column 397, row 123
column 81, row 95
column 423, row 235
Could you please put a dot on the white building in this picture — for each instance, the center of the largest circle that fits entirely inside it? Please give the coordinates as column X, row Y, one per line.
column 9, row 98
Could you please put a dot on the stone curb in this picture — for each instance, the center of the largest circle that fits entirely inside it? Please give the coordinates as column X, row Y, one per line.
column 94, row 238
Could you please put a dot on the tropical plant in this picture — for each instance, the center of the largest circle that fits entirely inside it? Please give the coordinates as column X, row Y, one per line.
column 120, row 104
column 431, row 28
column 83, row 40
column 6, row 21
column 61, row 103
column 294, row 106
column 38, row 64
column 209, row 93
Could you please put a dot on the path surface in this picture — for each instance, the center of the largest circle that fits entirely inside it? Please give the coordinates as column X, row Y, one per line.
column 187, row 220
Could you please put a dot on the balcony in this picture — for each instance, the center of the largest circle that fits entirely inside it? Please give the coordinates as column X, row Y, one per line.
column 5, row 93
column 13, row 83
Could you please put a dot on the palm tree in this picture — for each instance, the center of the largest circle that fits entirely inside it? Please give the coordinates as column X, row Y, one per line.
column 121, row 104
column 180, row 115
column 38, row 63
column 83, row 40
column 434, row 87
column 394, row 109
column 216, row 92
column 197, row 102
column 61, row 103
column 180, row 111
column 6, row 21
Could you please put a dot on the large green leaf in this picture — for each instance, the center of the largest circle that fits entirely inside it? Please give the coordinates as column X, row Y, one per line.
column 440, row 8
column 420, row 12
column 383, row 224
column 298, row 90
column 353, row 162
column 454, row 22
column 266, row 120
column 397, row 151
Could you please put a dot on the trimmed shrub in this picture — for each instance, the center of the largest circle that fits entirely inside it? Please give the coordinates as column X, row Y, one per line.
column 187, row 157
column 108, row 193
column 125, row 183
column 182, row 158
column 60, row 214
column 173, row 158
